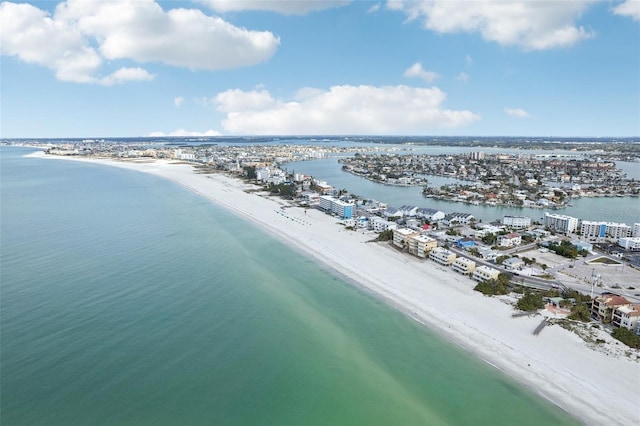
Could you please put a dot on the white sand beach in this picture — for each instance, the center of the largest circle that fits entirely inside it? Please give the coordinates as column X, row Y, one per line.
column 598, row 387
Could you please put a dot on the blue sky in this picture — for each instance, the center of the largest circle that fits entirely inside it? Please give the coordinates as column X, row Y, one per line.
column 94, row 68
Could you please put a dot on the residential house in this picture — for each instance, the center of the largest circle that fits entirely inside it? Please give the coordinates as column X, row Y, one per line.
column 509, row 240
column 602, row 307
column 513, row 264
column 626, row 317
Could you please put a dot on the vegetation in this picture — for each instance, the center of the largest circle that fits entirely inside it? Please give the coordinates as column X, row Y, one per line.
column 385, row 235
column 566, row 249
column 627, row 337
column 530, row 301
column 250, row 172
column 491, row 288
column 285, row 190
column 501, row 259
column 490, row 239
column 580, row 312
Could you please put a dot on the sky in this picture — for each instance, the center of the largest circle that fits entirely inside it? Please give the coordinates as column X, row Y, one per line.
column 127, row 68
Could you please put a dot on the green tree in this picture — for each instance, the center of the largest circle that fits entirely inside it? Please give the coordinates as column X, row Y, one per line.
column 530, row 301
column 627, row 337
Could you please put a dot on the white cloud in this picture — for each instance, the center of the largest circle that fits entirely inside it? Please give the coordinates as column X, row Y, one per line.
column 532, row 25
column 463, row 76
column 517, row 112
column 126, row 74
column 178, row 101
column 630, row 8
column 75, row 41
column 182, row 132
column 468, row 60
column 340, row 110
column 288, row 7
column 416, row 70
column 374, row 8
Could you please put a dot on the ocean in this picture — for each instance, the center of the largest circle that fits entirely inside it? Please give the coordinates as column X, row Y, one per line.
column 127, row 300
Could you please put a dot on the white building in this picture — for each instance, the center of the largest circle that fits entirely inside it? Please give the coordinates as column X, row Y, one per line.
column 630, row 243
column 592, row 229
column 516, row 221
column 485, row 273
column 509, row 240
column 432, row 215
column 635, row 230
column 627, row 317
column 378, row 224
column 561, row 223
column 513, row 264
column 442, row 256
column 333, row 205
column 463, row 265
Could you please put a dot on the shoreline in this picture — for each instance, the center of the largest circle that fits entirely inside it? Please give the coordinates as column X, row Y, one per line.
column 556, row 365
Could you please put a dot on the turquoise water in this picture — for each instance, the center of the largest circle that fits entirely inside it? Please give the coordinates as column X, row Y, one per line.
column 127, row 300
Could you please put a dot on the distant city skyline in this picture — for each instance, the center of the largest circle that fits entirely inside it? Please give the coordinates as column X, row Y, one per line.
column 129, row 68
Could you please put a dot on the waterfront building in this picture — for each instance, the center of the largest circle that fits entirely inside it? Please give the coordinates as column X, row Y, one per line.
column 509, row 240
column 485, row 273
column 626, row 317
column 401, row 237
column 342, row 209
column 593, row 229
column 408, row 211
column 421, row 245
column 458, row 218
column 635, row 230
column 442, row 256
column 378, row 224
column 602, row 307
column 464, row 266
column 392, row 212
column 630, row 243
column 432, row 215
column 516, row 221
column 560, row 223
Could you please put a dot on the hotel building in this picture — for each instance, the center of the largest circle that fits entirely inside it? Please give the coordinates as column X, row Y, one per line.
column 591, row 229
column 560, row 223
column 338, row 207
column 516, row 221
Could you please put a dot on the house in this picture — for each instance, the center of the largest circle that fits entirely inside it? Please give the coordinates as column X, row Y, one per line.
column 582, row 245
column 485, row 273
column 421, row 245
column 626, row 317
column 378, row 224
column 457, row 218
column 401, row 237
column 409, row 211
column 464, row 266
column 602, row 307
column 509, row 240
column 442, row 256
column 432, row 215
column 392, row 212
column 513, row 264
column 488, row 253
